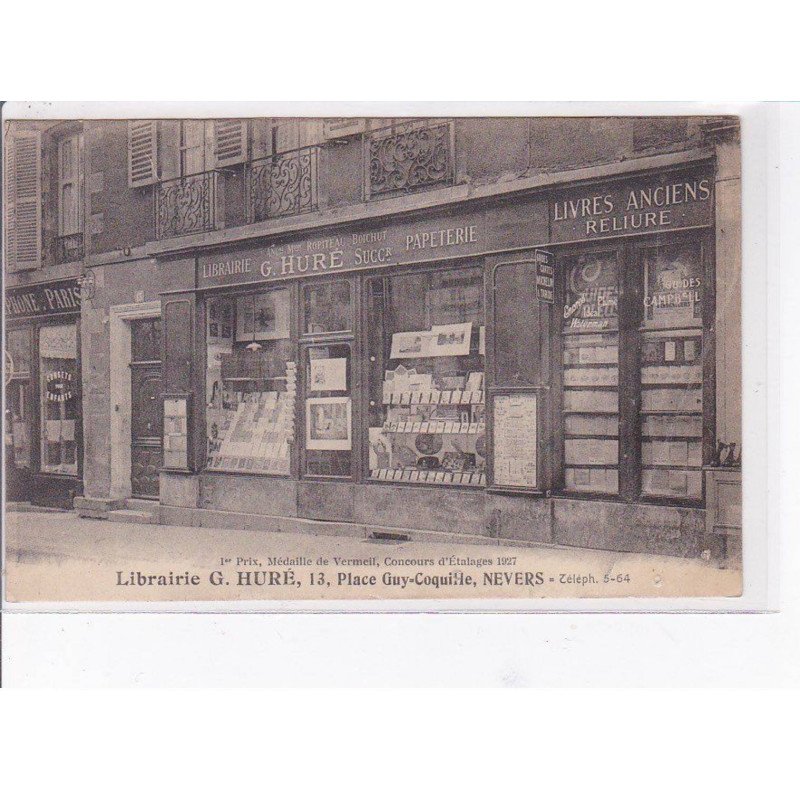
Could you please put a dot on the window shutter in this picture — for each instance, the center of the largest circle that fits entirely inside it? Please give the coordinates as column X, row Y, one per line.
column 230, row 142
column 24, row 207
column 142, row 152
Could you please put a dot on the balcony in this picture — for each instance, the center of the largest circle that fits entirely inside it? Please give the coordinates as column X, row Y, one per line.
column 409, row 157
column 190, row 204
column 282, row 184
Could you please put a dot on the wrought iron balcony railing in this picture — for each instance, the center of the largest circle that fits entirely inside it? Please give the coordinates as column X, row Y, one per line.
column 409, row 156
column 190, row 204
column 282, row 184
column 69, row 248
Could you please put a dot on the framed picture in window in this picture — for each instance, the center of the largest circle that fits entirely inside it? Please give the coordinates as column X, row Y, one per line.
column 328, row 423
column 271, row 316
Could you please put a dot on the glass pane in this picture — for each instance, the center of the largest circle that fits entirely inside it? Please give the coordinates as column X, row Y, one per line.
column 193, row 147
column 427, row 393
column 250, row 383
column 18, row 422
column 591, row 374
column 673, row 280
column 591, row 293
column 18, row 345
column 672, row 415
column 327, row 307
column 329, row 441
column 69, row 210
column 672, row 371
column 58, row 380
column 146, row 340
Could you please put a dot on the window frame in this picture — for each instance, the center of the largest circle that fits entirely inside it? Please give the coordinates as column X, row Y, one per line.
column 39, row 408
column 631, row 329
column 354, row 337
column 234, row 293
column 74, row 180
column 386, row 274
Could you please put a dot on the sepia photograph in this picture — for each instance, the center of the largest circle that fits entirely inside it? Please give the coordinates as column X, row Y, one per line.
column 461, row 358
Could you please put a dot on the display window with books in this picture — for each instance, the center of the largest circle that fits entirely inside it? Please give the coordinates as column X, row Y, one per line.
column 590, row 356
column 671, row 358
column 426, row 377
column 653, row 362
column 251, row 380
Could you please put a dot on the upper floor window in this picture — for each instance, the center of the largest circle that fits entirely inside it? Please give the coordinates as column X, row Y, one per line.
column 70, row 216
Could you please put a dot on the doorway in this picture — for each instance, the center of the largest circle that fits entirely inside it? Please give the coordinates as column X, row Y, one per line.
column 147, row 426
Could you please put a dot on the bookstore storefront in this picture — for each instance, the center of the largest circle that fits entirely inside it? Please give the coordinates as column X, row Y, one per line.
column 43, row 428
column 539, row 369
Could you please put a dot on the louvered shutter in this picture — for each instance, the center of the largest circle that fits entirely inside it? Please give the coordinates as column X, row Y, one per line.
column 142, row 152
column 230, row 142
column 24, row 201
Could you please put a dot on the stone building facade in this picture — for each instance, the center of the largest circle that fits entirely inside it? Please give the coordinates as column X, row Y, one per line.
column 494, row 328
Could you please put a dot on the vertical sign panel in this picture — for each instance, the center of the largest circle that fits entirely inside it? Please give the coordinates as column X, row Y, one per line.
column 514, row 440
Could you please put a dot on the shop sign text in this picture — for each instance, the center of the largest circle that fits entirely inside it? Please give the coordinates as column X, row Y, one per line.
column 43, row 300
column 352, row 251
column 646, row 207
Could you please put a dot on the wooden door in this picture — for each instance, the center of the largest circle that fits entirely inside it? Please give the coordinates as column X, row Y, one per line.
column 147, row 427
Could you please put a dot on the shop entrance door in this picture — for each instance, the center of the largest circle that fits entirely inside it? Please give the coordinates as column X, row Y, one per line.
column 146, row 408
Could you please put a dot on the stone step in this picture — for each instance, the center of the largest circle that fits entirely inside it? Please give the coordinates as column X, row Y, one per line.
column 96, row 507
column 131, row 515
column 135, row 504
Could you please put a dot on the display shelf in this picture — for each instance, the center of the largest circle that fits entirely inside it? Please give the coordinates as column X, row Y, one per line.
column 456, row 397
column 413, row 475
column 437, row 426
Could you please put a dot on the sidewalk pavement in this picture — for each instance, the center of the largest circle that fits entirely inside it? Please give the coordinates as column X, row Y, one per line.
column 62, row 557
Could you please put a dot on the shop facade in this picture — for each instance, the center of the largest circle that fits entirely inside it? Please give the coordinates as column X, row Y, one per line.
column 43, row 433
column 536, row 365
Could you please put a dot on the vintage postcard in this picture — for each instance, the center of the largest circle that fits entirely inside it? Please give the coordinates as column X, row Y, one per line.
column 375, row 359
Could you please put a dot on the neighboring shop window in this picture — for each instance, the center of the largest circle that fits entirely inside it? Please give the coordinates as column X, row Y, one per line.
column 58, row 382
column 427, row 392
column 250, row 383
column 672, row 371
column 328, row 411
column 18, row 414
column 591, row 373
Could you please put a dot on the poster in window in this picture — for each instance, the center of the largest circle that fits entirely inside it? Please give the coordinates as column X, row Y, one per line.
column 271, row 316
column 328, row 375
column 515, row 426
column 451, row 340
column 591, row 293
column 411, row 344
column 673, row 286
column 220, row 320
column 328, row 423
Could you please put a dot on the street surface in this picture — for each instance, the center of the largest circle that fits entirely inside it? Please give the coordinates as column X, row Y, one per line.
column 52, row 556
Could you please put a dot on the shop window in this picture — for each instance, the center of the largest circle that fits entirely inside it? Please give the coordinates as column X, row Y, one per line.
column 250, row 383
column 672, row 371
column 58, row 382
column 18, row 404
column 328, row 410
column 427, row 392
column 591, row 373
column 327, row 308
